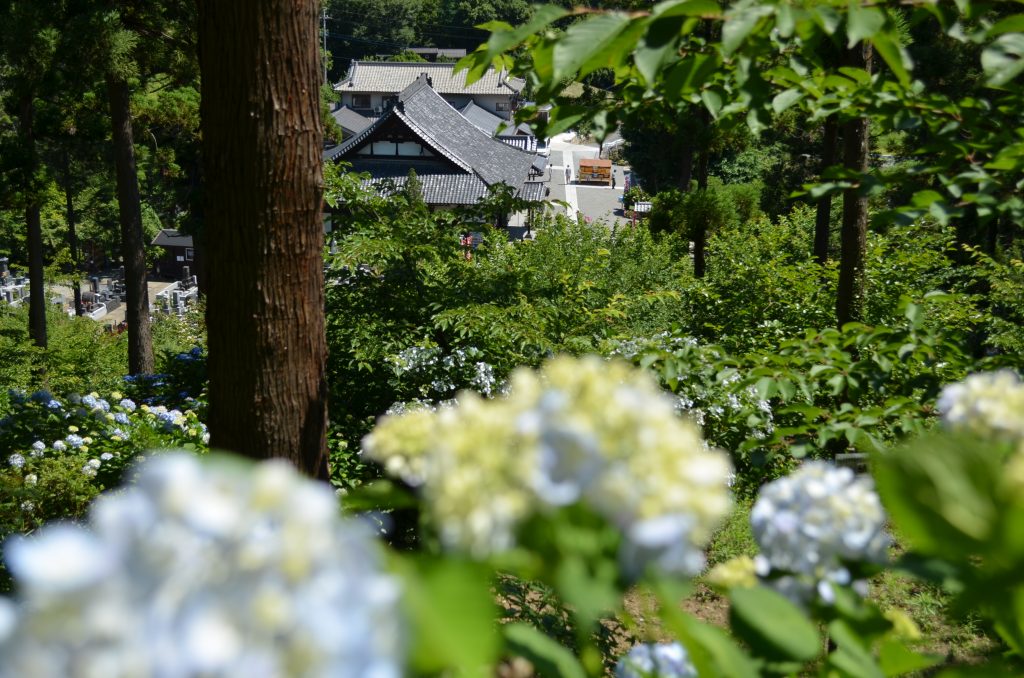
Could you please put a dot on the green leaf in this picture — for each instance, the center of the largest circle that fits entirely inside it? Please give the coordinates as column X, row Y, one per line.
column 713, row 101
column 941, row 493
column 1011, row 24
column 827, row 17
column 851, row 656
column 895, row 659
column 739, row 23
column 894, row 56
column 712, row 650
column 785, row 99
column 504, row 40
column 773, row 627
column 452, row 611
column 766, row 388
column 689, row 74
column 660, row 41
column 862, row 23
column 587, row 39
column 548, row 656
column 1003, row 60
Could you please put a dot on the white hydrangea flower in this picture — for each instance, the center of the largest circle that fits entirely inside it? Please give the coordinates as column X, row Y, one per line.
column 990, row 403
column 581, row 430
column 203, row 568
column 811, row 521
column 661, row 660
column 16, row 461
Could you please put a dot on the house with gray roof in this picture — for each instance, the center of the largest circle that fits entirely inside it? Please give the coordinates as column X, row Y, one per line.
column 455, row 161
column 350, row 122
column 371, row 86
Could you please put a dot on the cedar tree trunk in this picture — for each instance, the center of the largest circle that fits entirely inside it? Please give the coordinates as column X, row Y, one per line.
column 37, row 300
column 261, row 149
column 853, row 237
column 823, row 219
column 140, row 344
column 69, row 211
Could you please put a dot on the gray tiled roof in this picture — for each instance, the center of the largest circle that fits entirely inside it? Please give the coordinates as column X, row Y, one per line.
column 489, row 122
column 451, row 189
column 448, row 133
column 350, row 121
column 394, row 76
column 168, row 237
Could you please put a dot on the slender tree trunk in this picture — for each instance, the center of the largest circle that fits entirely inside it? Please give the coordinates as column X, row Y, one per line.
column 823, row 219
column 700, row 231
column 140, row 343
column 686, row 167
column 853, row 238
column 69, row 211
column 262, row 143
column 37, row 300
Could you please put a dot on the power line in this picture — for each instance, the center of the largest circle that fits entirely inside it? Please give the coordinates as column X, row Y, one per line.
column 358, row 15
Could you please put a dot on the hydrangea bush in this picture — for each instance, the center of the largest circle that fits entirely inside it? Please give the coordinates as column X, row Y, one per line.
column 56, row 453
column 583, row 476
column 579, row 431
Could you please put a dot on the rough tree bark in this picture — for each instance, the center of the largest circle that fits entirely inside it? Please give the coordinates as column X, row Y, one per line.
column 262, row 143
column 69, row 213
column 37, row 300
column 853, row 237
column 823, row 218
column 140, row 344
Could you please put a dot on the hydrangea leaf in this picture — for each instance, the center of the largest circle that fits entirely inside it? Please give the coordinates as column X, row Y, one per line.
column 772, row 626
column 548, row 656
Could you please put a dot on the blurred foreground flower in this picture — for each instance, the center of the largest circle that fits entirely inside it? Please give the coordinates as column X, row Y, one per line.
column 662, row 660
column 989, row 403
column 813, row 521
column 580, row 431
column 211, row 568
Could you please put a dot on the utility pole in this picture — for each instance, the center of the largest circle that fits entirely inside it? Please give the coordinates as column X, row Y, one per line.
column 323, row 31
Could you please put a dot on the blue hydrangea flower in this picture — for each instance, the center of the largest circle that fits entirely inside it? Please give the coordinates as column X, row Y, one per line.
column 127, row 404
column 196, row 351
column 59, row 445
column 16, row 460
column 103, row 405
column 661, row 660
column 54, row 404
column 90, row 401
column 74, row 440
column 121, row 418
column 42, row 396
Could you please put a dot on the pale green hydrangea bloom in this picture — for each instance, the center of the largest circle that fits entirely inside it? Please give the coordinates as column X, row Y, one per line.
column 580, row 430
column 989, row 403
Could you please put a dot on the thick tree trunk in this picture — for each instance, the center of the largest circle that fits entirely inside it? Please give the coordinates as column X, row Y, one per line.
column 853, row 238
column 69, row 211
column 700, row 231
column 262, row 143
column 133, row 253
column 823, row 219
column 37, row 300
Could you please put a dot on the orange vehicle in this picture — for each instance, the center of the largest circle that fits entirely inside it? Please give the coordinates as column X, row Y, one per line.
column 595, row 171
